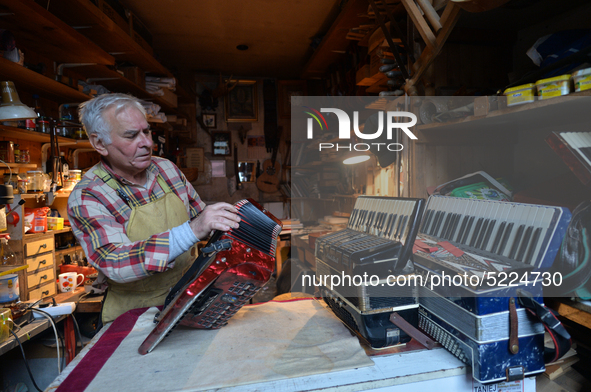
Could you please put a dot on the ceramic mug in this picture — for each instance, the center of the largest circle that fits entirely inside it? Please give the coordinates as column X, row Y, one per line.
column 69, row 281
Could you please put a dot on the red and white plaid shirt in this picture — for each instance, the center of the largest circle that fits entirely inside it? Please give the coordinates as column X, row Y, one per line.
column 99, row 217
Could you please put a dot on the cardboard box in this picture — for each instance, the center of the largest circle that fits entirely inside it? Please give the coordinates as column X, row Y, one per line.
column 54, row 223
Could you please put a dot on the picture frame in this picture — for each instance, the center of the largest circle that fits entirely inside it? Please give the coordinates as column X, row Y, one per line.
column 221, row 143
column 286, row 91
column 241, row 104
column 209, row 120
column 195, row 158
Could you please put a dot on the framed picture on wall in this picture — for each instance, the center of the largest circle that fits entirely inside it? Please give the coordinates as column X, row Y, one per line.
column 209, row 120
column 241, row 104
column 221, row 140
column 288, row 91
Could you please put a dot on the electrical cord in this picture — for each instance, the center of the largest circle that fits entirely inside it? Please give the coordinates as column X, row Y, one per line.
column 57, row 338
column 78, row 332
column 25, row 359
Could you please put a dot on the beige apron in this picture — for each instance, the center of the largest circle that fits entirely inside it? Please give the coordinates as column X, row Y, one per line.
column 155, row 217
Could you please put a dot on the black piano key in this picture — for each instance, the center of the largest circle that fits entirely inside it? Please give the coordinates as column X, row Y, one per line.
column 392, row 223
column 381, row 223
column 481, row 234
column 489, row 230
column 426, row 221
column 438, row 223
column 532, row 246
column 464, row 220
column 454, row 226
column 505, row 239
column 476, row 231
column 362, row 219
column 516, row 242
column 398, row 226
column 498, row 238
column 384, row 224
column 431, row 227
column 524, row 243
column 446, row 226
column 369, row 220
column 464, row 239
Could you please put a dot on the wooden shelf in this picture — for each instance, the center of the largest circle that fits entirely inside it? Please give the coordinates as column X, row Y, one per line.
column 501, row 126
column 39, row 30
column 99, row 28
column 114, row 81
column 32, row 136
column 335, row 42
column 26, row 79
column 19, row 166
column 542, row 113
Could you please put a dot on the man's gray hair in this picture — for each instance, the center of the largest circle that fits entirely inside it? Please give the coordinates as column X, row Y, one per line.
column 92, row 112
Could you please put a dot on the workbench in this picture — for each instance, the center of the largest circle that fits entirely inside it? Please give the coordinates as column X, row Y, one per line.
column 409, row 367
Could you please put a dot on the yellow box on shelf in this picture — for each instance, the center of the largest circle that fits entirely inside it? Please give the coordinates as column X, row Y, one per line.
column 582, row 79
column 54, row 223
column 554, row 87
column 520, row 94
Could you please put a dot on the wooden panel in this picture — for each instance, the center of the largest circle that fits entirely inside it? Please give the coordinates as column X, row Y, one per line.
column 43, row 291
column 38, row 247
column 40, row 277
column 39, row 262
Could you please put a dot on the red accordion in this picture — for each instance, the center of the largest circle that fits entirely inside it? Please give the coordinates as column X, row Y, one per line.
column 230, row 270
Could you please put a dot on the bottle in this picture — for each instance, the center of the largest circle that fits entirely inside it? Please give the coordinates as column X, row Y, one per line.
column 7, row 256
column 65, row 165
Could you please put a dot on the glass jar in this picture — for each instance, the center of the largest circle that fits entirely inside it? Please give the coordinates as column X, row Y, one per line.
column 36, row 181
column 25, row 156
column 43, row 126
column 75, row 174
column 22, row 185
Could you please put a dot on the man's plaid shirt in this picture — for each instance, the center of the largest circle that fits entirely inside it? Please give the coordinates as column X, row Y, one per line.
column 99, row 217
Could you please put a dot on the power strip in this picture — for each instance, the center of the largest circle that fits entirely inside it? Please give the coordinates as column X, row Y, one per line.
column 54, row 311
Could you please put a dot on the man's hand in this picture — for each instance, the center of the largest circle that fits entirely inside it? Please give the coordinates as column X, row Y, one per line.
column 219, row 216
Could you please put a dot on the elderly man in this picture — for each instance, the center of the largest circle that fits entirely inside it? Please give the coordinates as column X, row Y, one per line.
column 136, row 216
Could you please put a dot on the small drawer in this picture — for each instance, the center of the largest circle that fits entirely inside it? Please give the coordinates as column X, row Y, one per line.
column 38, row 262
column 40, row 277
column 43, row 291
column 35, row 248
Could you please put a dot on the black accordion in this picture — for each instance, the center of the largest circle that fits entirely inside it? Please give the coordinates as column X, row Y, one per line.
column 230, row 270
column 376, row 246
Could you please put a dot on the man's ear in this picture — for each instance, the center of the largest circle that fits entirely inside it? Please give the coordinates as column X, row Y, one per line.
column 98, row 144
